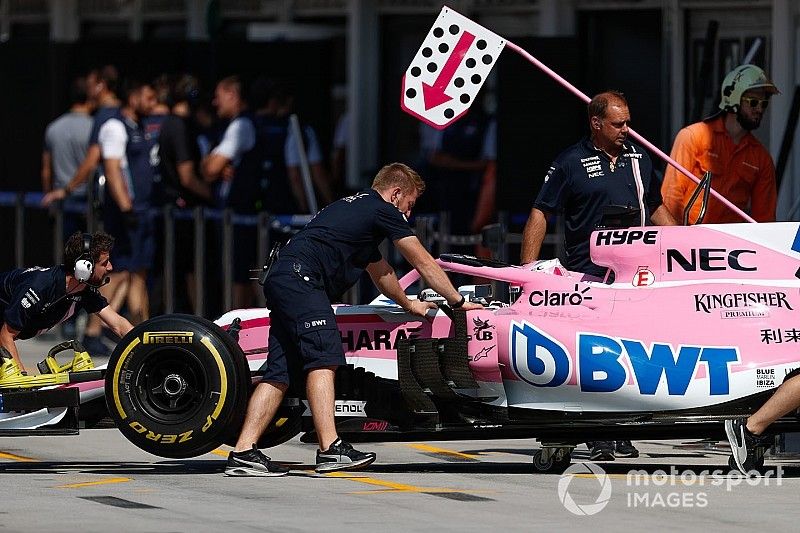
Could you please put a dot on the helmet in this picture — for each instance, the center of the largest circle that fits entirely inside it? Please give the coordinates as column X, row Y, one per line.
column 739, row 80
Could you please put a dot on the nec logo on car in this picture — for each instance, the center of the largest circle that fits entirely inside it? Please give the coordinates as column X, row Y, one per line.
column 709, row 260
column 542, row 361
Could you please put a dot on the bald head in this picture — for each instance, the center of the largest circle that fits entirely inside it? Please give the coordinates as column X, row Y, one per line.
column 609, row 119
column 599, row 105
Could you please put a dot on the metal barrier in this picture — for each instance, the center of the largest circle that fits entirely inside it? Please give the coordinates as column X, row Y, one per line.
column 432, row 230
column 22, row 202
column 495, row 237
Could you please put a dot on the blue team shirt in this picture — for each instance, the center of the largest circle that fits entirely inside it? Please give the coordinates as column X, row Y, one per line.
column 343, row 239
column 33, row 300
column 141, row 155
column 581, row 182
column 100, row 116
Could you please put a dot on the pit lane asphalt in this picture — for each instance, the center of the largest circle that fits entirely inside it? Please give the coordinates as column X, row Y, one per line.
column 97, row 481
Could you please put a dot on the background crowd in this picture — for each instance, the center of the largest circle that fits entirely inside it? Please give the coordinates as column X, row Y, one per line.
column 126, row 147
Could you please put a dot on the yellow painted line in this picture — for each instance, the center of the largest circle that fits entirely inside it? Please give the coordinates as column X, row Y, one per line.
column 667, row 480
column 93, row 483
column 593, row 476
column 220, row 452
column 20, row 458
column 390, row 486
column 442, row 451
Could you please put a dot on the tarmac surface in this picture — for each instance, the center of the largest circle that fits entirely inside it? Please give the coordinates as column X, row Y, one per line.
column 98, row 481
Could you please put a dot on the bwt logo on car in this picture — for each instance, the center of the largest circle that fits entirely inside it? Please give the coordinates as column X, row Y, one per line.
column 542, row 361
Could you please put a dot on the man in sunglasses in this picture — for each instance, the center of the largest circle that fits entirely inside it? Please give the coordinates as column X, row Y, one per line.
column 741, row 168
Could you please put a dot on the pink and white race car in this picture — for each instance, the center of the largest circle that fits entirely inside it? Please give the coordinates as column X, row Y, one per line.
column 697, row 326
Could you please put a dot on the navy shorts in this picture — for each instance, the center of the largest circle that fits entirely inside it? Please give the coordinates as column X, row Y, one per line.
column 245, row 257
column 303, row 330
column 134, row 249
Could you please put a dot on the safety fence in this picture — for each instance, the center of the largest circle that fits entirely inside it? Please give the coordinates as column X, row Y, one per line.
column 432, row 229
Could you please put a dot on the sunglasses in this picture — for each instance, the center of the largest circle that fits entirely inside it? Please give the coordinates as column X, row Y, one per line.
column 756, row 102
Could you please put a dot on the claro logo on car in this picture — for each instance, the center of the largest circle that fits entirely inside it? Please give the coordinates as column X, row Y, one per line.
column 168, row 337
column 542, row 361
column 555, row 298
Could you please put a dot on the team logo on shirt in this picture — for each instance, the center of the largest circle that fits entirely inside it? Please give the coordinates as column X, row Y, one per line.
column 549, row 173
column 353, row 198
column 592, row 166
column 30, row 298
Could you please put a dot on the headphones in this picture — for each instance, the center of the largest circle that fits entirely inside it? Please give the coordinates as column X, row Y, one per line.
column 84, row 266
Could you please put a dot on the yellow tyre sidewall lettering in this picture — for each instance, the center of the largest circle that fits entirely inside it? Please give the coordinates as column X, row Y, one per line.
column 135, row 342
column 223, row 383
column 158, row 437
column 151, row 435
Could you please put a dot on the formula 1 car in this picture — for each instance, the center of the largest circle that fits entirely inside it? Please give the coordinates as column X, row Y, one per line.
column 697, row 326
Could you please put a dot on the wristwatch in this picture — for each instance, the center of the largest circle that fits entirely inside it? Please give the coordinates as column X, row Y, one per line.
column 459, row 303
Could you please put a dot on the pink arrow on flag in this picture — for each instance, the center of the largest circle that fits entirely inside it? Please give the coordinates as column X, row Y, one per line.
column 434, row 94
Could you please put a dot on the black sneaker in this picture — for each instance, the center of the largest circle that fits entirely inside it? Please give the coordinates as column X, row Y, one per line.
column 342, row 456
column 624, row 448
column 747, row 449
column 253, row 463
column 602, row 450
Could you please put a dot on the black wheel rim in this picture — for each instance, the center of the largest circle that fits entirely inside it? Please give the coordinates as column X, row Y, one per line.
column 171, row 385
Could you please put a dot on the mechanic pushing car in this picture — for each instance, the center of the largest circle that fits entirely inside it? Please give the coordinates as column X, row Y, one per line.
column 33, row 300
column 314, row 269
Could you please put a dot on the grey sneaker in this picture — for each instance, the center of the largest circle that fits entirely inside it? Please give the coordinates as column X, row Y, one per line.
column 747, row 449
column 253, row 463
column 342, row 456
column 601, row 450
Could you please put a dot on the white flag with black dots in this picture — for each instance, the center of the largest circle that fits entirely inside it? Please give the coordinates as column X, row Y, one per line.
column 449, row 69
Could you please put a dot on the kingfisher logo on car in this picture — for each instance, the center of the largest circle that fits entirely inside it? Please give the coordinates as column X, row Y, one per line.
column 540, row 360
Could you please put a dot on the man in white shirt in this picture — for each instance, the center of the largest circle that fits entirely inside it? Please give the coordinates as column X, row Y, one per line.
column 234, row 167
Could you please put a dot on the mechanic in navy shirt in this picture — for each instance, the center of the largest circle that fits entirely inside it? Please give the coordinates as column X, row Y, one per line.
column 317, row 265
column 34, row 300
column 602, row 170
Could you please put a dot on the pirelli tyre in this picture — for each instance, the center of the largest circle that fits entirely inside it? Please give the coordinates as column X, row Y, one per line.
column 177, row 386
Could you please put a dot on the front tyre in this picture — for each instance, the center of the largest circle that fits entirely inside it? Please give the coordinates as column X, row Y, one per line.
column 177, row 386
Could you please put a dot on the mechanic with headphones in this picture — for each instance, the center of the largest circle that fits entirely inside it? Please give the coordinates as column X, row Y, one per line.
column 33, row 300
column 741, row 168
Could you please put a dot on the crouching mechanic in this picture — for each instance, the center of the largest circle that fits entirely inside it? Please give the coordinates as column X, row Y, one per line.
column 317, row 265
column 33, row 300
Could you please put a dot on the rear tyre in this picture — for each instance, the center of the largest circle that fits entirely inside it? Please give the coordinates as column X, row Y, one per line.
column 177, row 386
